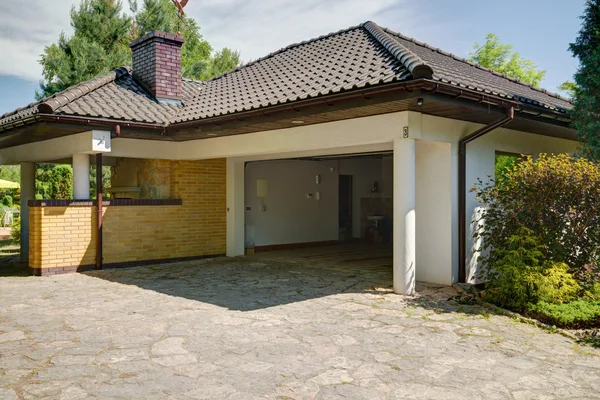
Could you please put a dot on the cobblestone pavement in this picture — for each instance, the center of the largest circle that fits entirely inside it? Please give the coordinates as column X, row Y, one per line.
column 251, row 329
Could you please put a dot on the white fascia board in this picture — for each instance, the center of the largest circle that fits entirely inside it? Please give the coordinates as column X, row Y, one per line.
column 320, row 138
column 90, row 142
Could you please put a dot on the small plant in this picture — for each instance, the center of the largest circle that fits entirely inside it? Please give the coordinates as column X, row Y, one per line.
column 578, row 314
column 15, row 232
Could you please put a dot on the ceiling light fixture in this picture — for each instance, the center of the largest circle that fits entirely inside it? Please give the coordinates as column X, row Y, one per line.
column 297, row 122
column 420, row 101
column 211, row 134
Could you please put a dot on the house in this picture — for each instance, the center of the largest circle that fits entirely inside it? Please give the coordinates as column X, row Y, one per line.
column 310, row 144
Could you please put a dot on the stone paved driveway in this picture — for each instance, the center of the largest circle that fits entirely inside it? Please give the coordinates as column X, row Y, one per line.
column 249, row 329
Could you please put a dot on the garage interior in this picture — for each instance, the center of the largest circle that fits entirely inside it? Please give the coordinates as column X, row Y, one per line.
column 334, row 211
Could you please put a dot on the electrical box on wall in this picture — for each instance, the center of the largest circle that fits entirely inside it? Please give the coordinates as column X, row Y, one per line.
column 318, row 179
column 318, row 195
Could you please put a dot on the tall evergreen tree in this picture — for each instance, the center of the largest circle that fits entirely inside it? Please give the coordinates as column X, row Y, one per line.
column 586, row 110
column 100, row 43
column 101, row 38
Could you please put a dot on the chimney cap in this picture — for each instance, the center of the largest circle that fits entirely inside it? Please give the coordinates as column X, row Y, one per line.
column 157, row 34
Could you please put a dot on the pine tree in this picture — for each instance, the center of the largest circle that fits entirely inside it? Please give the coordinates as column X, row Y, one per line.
column 101, row 38
column 586, row 110
column 100, row 43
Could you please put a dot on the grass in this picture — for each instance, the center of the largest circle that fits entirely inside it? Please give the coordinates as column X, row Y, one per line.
column 10, row 265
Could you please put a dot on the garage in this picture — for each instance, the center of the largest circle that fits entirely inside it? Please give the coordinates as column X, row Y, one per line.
column 333, row 208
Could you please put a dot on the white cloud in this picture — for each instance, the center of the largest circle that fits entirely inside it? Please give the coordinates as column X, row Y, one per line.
column 25, row 29
column 254, row 27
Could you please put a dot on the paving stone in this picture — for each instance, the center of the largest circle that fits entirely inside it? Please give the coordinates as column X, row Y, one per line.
column 243, row 329
column 8, row 394
column 168, row 347
column 12, row 336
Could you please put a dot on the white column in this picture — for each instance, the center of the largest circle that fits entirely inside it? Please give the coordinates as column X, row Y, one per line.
column 404, row 216
column 235, row 208
column 27, row 193
column 81, row 176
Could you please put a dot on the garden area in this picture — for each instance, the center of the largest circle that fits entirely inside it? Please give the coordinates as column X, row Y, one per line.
column 540, row 232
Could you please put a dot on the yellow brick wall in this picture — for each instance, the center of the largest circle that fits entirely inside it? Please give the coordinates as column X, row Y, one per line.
column 62, row 236
column 65, row 236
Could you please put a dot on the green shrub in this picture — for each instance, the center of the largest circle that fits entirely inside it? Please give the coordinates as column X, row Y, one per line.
column 555, row 284
column 578, row 314
column 7, row 201
column 521, row 276
column 556, row 197
column 510, row 281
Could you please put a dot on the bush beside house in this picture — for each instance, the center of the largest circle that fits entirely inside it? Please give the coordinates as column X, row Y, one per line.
column 540, row 230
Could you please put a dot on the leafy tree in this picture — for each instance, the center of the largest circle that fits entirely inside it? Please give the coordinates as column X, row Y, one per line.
column 196, row 60
column 568, row 87
column 10, row 173
column 500, row 57
column 54, row 182
column 224, row 61
column 105, row 181
column 587, row 100
column 99, row 44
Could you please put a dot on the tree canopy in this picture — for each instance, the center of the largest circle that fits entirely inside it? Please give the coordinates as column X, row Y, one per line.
column 500, row 57
column 586, row 107
column 101, row 37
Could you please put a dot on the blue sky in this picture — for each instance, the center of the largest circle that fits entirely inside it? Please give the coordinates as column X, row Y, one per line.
column 540, row 30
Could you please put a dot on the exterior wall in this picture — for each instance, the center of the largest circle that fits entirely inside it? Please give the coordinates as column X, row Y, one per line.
column 434, row 213
column 64, row 238
column 61, row 237
column 480, row 164
column 141, row 178
column 374, row 133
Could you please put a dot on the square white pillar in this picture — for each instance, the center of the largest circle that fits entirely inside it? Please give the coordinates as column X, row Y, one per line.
column 27, row 193
column 81, row 176
column 404, row 216
column 235, row 208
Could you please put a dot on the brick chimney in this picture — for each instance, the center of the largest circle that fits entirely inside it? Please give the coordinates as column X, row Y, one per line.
column 157, row 65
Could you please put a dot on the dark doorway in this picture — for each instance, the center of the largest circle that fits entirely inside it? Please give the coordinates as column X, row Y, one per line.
column 345, row 207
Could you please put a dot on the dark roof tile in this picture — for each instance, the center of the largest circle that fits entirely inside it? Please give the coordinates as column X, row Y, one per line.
column 358, row 57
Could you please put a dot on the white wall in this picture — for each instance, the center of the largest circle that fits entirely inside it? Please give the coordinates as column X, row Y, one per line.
column 434, row 212
column 291, row 217
column 364, row 173
column 480, row 163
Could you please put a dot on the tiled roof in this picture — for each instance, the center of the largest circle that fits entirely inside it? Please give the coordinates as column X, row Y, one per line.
column 114, row 95
column 358, row 57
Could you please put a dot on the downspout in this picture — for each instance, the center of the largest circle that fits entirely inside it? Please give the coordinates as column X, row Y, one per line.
column 99, row 208
column 462, row 187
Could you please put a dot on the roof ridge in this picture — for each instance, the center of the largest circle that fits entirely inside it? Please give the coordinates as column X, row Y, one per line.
column 417, row 67
column 464, row 60
column 57, row 100
column 281, row 50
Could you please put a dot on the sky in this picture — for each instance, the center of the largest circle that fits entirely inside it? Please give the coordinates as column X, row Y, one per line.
column 539, row 30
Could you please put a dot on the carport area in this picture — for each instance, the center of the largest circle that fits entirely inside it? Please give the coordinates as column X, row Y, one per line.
column 258, row 328
column 394, row 197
